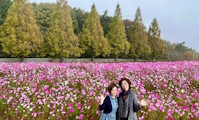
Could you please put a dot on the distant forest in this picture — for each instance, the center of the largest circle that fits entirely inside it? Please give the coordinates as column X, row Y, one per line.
column 56, row 30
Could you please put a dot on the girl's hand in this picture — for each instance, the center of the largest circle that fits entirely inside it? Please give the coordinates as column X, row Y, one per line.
column 144, row 102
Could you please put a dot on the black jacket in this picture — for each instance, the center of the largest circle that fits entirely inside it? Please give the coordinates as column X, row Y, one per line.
column 106, row 106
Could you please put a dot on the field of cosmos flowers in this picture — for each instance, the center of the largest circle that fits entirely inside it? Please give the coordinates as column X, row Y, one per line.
column 71, row 90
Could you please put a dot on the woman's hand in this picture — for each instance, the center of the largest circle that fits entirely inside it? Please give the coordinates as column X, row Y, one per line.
column 144, row 102
column 102, row 99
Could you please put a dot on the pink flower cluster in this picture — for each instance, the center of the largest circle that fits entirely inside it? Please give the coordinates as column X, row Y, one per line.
column 72, row 90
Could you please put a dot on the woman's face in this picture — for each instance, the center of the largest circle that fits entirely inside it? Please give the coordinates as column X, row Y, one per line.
column 114, row 91
column 125, row 85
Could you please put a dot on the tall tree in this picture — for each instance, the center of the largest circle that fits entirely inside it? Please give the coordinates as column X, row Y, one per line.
column 20, row 35
column 79, row 15
column 92, row 40
column 43, row 13
column 180, row 47
column 127, row 24
column 105, row 21
column 60, row 37
column 137, row 36
column 164, row 50
column 155, row 42
column 188, row 55
column 75, row 21
column 4, row 6
column 117, row 35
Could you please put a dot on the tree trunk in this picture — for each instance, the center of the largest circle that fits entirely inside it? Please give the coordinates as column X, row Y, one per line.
column 136, row 59
column 116, row 58
column 62, row 59
column 22, row 59
column 92, row 58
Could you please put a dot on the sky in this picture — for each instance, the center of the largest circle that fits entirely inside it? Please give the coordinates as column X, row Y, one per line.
column 177, row 19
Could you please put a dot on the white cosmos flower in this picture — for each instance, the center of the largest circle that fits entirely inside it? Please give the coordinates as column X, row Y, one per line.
column 182, row 90
column 48, row 105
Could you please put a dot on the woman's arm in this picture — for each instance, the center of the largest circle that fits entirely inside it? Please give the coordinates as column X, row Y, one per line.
column 103, row 105
column 136, row 105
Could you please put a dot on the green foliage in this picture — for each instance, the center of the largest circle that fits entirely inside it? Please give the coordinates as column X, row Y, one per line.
column 20, row 35
column 4, row 6
column 75, row 22
column 60, row 38
column 92, row 40
column 105, row 21
column 116, row 35
column 158, row 48
column 43, row 13
column 138, row 38
column 178, row 51
column 79, row 17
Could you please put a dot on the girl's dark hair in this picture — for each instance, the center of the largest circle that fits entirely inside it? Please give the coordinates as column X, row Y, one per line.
column 125, row 79
column 111, row 86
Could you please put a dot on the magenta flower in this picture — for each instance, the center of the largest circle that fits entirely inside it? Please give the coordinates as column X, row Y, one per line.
column 83, row 92
column 72, row 111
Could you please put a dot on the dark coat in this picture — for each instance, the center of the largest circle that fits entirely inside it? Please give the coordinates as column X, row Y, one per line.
column 106, row 106
column 134, row 106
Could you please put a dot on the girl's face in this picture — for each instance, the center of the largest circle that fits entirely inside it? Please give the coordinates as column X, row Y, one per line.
column 125, row 85
column 114, row 91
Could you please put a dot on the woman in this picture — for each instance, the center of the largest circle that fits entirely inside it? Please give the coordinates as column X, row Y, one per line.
column 109, row 105
column 128, row 104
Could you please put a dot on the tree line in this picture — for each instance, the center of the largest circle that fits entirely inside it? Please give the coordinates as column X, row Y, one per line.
column 56, row 30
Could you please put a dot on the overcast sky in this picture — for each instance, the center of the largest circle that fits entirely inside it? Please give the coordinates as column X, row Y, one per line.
column 178, row 19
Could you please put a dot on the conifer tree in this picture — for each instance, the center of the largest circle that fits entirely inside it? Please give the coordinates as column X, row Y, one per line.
column 117, row 36
column 158, row 48
column 61, row 40
column 20, row 35
column 137, row 36
column 92, row 40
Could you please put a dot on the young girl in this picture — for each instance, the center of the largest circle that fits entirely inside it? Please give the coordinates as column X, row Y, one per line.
column 109, row 104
